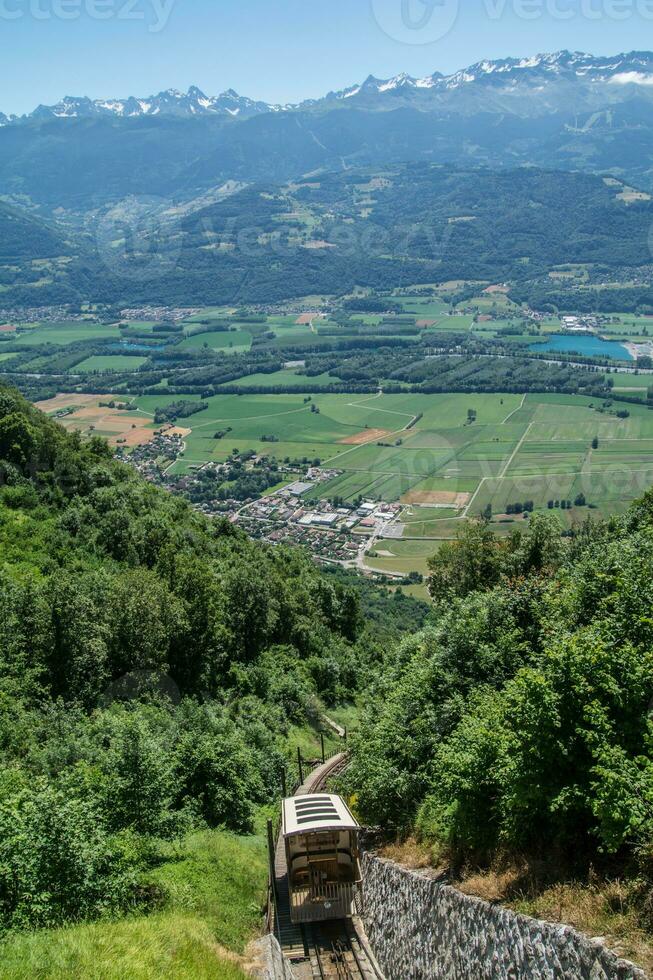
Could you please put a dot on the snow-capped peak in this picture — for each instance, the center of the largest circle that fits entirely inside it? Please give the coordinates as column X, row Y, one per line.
column 170, row 102
column 534, row 75
column 634, row 68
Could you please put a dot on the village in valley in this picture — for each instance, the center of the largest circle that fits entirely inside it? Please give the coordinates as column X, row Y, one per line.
column 346, row 426
column 337, row 534
column 290, row 514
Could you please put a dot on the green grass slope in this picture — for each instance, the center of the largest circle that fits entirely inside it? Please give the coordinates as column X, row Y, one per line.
column 215, row 882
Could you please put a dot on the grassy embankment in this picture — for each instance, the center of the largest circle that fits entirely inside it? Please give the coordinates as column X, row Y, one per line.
column 214, row 885
column 213, row 888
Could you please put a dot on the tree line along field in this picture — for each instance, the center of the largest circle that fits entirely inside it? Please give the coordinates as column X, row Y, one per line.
column 411, row 319
column 427, row 314
column 221, row 331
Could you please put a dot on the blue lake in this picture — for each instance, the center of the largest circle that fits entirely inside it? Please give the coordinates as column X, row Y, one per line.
column 586, row 344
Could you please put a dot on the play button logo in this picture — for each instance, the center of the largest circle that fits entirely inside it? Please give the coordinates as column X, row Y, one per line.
column 415, row 21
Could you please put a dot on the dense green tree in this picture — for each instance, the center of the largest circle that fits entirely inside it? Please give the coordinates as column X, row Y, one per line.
column 58, row 863
column 473, row 561
column 78, row 656
column 250, row 611
column 214, row 769
column 139, row 780
column 151, row 665
column 520, row 722
column 18, row 441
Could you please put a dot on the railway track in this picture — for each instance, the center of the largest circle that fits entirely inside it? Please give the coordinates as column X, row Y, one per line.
column 332, row 950
column 318, row 779
column 337, row 952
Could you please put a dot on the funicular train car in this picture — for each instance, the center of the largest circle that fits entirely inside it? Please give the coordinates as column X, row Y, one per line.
column 321, row 842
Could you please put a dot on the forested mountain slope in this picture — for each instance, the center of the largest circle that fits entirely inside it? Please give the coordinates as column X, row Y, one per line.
column 23, row 237
column 403, row 225
column 565, row 110
column 521, row 721
column 151, row 663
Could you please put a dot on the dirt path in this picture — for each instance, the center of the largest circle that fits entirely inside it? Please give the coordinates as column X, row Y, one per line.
column 467, row 509
column 515, row 451
column 508, row 417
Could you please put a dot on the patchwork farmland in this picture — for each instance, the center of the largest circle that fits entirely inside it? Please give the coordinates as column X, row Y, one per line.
column 301, row 390
column 537, row 448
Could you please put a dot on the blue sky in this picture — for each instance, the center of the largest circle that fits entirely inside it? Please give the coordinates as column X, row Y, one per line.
column 282, row 50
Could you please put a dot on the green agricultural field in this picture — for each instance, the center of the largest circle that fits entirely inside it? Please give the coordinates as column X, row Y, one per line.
column 145, row 326
column 415, row 591
column 412, row 516
column 440, row 529
column 407, row 549
column 66, row 333
column 400, row 566
column 369, row 319
column 533, row 447
column 550, row 324
column 228, row 341
column 280, row 322
column 635, row 384
column 299, row 336
column 114, row 363
column 555, row 459
column 458, row 323
column 402, row 557
column 446, row 457
column 284, row 378
column 490, row 302
column 430, row 522
column 426, row 308
column 629, row 327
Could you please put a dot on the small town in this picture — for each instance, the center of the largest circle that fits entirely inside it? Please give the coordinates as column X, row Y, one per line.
column 158, row 313
column 337, row 534
column 292, row 514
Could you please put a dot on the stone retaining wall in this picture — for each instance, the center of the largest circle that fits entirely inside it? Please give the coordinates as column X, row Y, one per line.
column 267, row 960
column 422, row 929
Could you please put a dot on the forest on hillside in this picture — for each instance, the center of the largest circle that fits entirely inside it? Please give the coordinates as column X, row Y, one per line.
column 411, row 223
column 152, row 664
column 517, row 726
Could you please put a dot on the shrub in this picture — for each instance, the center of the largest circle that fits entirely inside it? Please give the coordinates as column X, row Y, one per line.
column 57, row 861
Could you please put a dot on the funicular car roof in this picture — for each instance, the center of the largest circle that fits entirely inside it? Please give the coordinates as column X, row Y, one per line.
column 316, row 812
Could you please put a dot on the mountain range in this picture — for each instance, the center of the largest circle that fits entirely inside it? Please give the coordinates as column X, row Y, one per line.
column 534, row 83
column 569, row 111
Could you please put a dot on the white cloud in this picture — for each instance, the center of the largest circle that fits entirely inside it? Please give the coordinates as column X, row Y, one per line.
column 631, row 78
